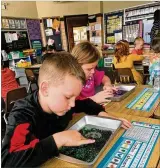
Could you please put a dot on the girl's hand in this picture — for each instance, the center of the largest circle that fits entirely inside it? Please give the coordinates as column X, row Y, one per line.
column 100, row 97
column 110, row 88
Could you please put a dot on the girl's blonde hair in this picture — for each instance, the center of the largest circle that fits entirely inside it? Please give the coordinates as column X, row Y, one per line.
column 85, row 53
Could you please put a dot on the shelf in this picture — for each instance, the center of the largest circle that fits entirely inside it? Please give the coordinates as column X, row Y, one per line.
column 18, row 58
column 3, row 30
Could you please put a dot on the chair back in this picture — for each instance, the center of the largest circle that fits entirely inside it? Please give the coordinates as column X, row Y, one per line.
column 14, row 95
column 125, row 76
column 30, row 75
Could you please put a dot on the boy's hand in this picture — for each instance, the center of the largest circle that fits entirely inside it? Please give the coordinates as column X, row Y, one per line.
column 125, row 124
column 100, row 97
column 70, row 138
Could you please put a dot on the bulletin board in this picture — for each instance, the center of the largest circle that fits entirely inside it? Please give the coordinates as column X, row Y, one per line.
column 113, row 27
column 52, row 30
column 14, row 34
column 132, row 30
column 21, row 43
column 34, row 31
column 95, row 29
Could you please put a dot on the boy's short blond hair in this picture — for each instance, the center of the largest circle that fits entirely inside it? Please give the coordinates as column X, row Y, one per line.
column 138, row 39
column 85, row 53
column 57, row 66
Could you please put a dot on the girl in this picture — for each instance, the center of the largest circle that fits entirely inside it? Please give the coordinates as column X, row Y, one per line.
column 123, row 59
column 88, row 56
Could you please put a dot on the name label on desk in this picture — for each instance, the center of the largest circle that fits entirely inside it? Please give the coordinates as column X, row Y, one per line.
column 145, row 100
column 133, row 148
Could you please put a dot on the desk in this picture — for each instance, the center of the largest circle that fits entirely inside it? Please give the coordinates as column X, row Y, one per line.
column 120, row 107
column 36, row 66
column 153, row 159
column 157, row 112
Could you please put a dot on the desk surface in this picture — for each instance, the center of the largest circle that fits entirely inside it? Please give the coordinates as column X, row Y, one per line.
column 35, row 66
column 153, row 159
column 120, row 107
column 157, row 112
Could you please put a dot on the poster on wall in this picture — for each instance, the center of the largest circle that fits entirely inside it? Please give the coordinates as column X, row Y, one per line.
column 52, row 31
column 11, row 23
column 23, row 24
column 147, row 25
column 114, row 22
column 5, row 24
column 17, row 24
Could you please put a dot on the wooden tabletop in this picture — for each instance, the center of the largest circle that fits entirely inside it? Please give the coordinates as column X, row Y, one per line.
column 153, row 161
column 35, row 66
column 120, row 107
column 157, row 112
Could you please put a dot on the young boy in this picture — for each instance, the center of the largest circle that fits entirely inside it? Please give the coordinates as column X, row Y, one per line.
column 139, row 43
column 36, row 125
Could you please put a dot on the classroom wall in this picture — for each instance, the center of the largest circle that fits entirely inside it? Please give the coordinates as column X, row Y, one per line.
column 38, row 9
column 109, row 6
column 46, row 9
column 20, row 9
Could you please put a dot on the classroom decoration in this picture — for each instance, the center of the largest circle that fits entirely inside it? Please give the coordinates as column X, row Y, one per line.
column 145, row 100
column 154, row 69
column 133, row 148
column 143, row 14
column 52, row 31
column 113, row 26
column 132, row 30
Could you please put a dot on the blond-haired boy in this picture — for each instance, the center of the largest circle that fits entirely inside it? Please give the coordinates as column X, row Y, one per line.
column 36, row 124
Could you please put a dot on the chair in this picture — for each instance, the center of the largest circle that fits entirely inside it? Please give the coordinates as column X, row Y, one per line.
column 11, row 97
column 125, row 76
column 31, row 79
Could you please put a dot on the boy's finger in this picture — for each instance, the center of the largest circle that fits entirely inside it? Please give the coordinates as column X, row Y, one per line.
column 86, row 141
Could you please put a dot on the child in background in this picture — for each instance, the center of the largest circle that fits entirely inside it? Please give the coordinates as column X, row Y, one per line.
column 88, row 56
column 154, row 68
column 139, row 43
column 7, row 76
column 36, row 125
column 123, row 59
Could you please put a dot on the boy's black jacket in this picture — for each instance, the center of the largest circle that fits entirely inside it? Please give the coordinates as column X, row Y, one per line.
column 28, row 139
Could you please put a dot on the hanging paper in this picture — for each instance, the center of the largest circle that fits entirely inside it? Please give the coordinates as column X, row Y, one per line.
column 17, row 24
column 118, row 37
column 97, row 26
column 14, row 36
column 49, row 32
column 97, row 40
column 8, row 37
column 5, row 23
column 50, row 41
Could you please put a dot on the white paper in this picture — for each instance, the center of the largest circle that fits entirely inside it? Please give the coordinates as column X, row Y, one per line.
column 97, row 26
column 118, row 37
column 14, row 37
column 88, row 28
column 8, row 37
column 50, row 41
column 97, row 40
column 49, row 22
column 92, row 39
column 49, row 32
column 76, row 34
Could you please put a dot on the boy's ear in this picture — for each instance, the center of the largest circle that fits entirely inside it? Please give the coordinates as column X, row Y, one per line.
column 44, row 88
